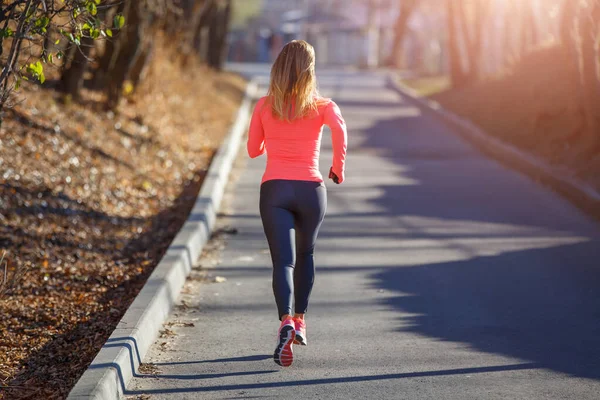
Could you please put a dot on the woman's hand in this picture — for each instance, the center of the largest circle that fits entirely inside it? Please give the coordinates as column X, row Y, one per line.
column 333, row 176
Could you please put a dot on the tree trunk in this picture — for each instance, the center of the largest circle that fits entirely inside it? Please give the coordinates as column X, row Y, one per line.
column 106, row 60
column 457, row 74
column 201, row 28
column 567, row 22
column 217, row 34
column 69, row 55
column 534, row 34
column 222, row 45
column 406, row 10
column 213, row 36
column 197, row 22
column 528, row 29
column 128, row 44
column 48, row 41
column 140, row 64
column 474, row 37
column 14, row 52
column 72, row 77
column 508, row 28
column 589, row 67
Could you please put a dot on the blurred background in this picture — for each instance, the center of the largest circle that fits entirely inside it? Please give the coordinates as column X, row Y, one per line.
column 526, row 71
column 411, row 34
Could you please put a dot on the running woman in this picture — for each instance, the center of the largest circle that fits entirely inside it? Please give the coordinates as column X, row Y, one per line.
column 287, row 125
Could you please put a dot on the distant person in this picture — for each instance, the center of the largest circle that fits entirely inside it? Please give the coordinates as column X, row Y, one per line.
column 275, row 44
column 287, row 124
column 270, row 43
column 265, row 44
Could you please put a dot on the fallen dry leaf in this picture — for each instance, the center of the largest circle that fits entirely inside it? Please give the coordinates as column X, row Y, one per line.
column 90, row 201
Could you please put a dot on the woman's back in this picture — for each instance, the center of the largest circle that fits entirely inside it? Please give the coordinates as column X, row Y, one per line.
column 293, row 147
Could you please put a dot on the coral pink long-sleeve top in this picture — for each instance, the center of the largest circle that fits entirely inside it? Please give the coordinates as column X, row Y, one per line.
column 293, row 148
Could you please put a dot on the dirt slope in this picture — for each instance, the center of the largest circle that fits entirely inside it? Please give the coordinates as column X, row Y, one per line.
column 531, row 106
column 89, row 201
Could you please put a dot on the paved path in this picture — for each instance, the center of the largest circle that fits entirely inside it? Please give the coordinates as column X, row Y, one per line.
column 441, row 275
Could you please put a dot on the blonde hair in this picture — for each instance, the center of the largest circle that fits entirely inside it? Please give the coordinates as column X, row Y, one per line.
column 293, row 89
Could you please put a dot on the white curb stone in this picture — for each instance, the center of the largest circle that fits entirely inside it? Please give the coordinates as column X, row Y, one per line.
column 118, row 360
column 580, row 193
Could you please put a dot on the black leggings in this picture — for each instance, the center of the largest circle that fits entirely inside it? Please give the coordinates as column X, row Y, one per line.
column 288, row 206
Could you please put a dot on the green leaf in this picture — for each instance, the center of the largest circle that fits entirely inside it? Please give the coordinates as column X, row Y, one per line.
column 5, row 33
column 37, row 70
column 50, row 58
column 75, row 39
column 60, row 55
column 41, row 24
column 109, row 33
column 92, row 9
column 57, row 41
column 18, row 84
column 119, row 21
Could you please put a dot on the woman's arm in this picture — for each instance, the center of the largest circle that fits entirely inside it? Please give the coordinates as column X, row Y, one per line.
column 256, row 134
column 339, row 138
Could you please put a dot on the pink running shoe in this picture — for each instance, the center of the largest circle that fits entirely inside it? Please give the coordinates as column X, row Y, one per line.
column 284, row 354
column 300, row 326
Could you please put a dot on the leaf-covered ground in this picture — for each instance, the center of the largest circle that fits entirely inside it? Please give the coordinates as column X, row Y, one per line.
column 89, row 201
column 532, row 106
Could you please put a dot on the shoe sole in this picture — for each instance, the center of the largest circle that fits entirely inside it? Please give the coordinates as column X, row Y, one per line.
column 300, row 340
column 284, row 354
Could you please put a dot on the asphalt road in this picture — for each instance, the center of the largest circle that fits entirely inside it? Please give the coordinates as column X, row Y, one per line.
column 441, row 275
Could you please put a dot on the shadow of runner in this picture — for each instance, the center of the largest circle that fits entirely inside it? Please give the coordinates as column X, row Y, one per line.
column 329, row 381
column 117, row 368
column 222, row 360
column 206, row 376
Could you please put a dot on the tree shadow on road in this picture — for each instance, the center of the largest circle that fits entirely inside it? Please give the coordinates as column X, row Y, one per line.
column 517, row 304
column 537, row 302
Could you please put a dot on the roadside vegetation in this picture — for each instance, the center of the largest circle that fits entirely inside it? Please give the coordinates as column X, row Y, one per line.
column 102, row 152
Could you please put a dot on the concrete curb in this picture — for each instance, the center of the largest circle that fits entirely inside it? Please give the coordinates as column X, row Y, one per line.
column 118, row 360
column 578, row 192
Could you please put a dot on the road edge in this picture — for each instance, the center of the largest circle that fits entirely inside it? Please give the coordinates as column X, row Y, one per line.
column 119, row 358
column 576, row 191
